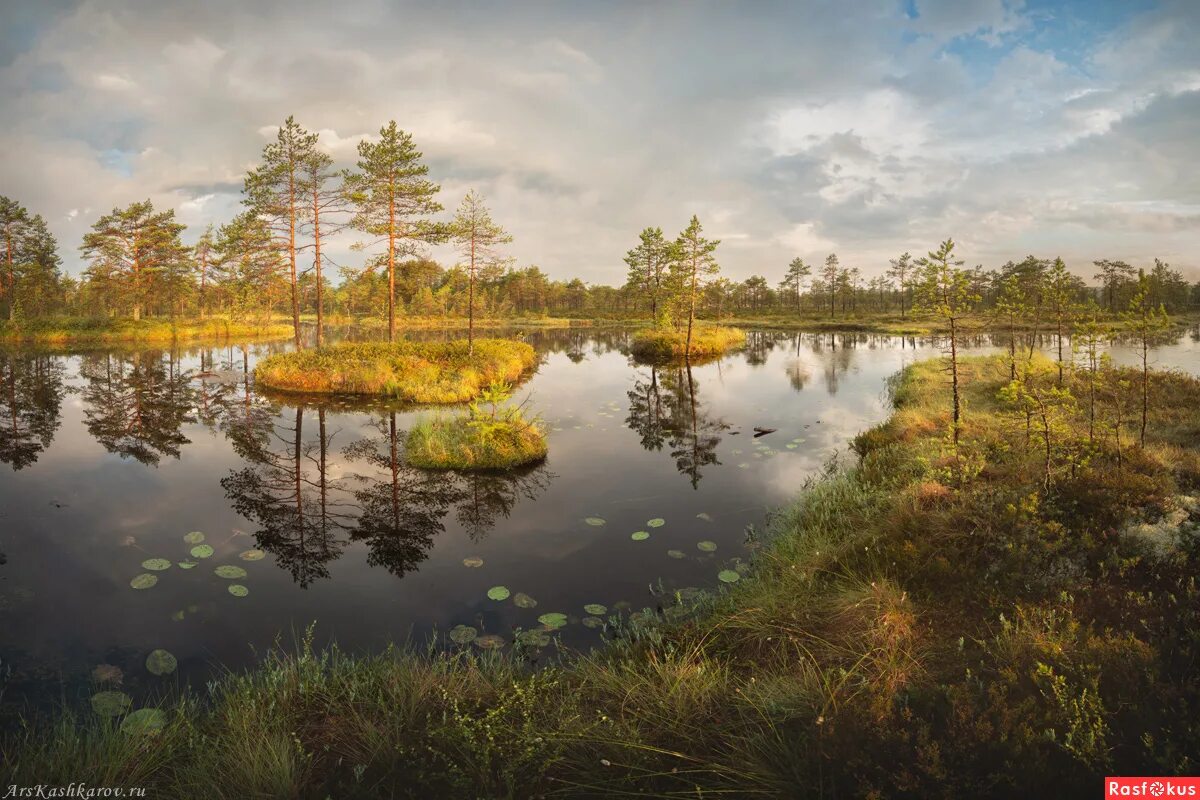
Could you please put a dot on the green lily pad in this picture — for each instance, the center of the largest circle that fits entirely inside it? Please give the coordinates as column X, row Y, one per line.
column 202, row 551
column 144, row 581
column 489, row 642
column 463, row 634
column 791, row 445
column 237, row 590
column 195, row 537
column 728, row 576
column 187, row 564
column 707, row 546
column 639, row 536
column 473, row 561
column 230, row 571
column 595, row 609
column 522, row 600
column 144, row 721
column 595, row 522
column 534, row 638
column 252, row 555
column 161, row 662
column 676, row 554
column 498, row 593
column 156, row 564
column 178, row 615
column 553, row 619
column 592, row 622
column 657, row 522
column 111, row 703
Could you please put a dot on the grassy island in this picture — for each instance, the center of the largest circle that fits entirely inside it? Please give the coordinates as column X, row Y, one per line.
column 1016, row 615
column 419, row 372
column 489, row 436
column 103, row 330
column 659, row 344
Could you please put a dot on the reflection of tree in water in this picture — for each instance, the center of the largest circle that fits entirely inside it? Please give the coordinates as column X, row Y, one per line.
column 31, row 390
column 287, row 492
column 212, row 396
column 666, row 409
column 488, row 497
column 136, row 405
column 759, row 345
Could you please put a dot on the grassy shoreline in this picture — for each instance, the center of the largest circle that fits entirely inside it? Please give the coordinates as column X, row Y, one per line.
column 86, row 330
column 917, row 625
column 657, row 344
column 417, row 372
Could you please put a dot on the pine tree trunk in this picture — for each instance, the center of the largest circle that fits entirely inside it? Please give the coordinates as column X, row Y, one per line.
column 391, row 263
column 471, row 301
column 317, row 263
column 292, row 256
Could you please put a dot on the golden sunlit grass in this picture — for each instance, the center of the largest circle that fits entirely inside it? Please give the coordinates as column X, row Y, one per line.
column 63, row 330
column 456, row 443
column 418, row 372
column 657, row 344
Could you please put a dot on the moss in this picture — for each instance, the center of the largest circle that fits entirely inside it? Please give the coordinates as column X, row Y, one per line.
column 657, row 344
column 462, row 443
column 64, row 330
column 418, row 372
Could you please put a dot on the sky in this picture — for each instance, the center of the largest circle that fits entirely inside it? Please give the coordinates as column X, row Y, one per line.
column 790, row 128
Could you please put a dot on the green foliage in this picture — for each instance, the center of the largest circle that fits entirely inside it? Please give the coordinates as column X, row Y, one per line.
column 492, row 435
column 658, row 345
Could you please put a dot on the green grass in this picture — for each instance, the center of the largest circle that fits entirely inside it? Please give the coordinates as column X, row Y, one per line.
column 460, row 442
column 418, row 372
column 658, row 344
column 923, row 623
column 65, row 330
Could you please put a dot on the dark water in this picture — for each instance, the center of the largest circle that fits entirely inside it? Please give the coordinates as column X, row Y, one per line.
column 108, row 458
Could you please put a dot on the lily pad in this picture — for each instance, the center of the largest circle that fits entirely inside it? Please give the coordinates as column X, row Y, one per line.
column 144, row 581
column 463, row 634
column 111, row 703
column 144, row 721
column 230, row 571
column 156, row 564
column 178, row 615
column 728, row 576
column 187, row 564
column 161, row 662
column 489, row 642
column 639, row 536
column 595, row 609
column 704, row 515
column 595, row 522
column 553, row 619
column 534, row 638
column 472, row 561
column 202, row 551
column 498, row 593
column 592, row 622
column 252, row 555
column 237, row 590
column 657, row 522
column 195, row 537
column 676, row 554
column 522, row 600
column 707, row 546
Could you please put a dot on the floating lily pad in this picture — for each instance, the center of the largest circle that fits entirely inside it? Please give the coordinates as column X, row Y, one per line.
column 728, row 576
column 144, row 581
column 144, row 721
column 592, row 622
column 743, row 465
column 107, row 673
column 230, row 571
column 463, row 634
column 639, row 536
column 111, row 703
column 553, row 619
column 707, row 546
column 178, row 615
column 676, row 554
column 657, row 522
column 156, row 564
column 237, row 590
column 252, row 555
column 161, row 662
column 489, row 642
column 472, row 561
column 595, row 609
column 195, row 537
column 704, row 515
column 522, row 600
column 595, row 522
column 187, row 564
column 621, row 605
column 498, row 593
column 534, row 638
column 202, row 551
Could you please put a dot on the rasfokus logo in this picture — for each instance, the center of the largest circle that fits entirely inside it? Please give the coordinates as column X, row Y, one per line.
column 1151, row 787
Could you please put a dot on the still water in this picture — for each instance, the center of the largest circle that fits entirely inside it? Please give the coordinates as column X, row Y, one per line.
column 110, row 458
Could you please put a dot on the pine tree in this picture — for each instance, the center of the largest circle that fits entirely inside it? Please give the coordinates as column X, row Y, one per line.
column 694, row 265
column 830, row 274
column 129, row 247
column 648, row 266
column 393, row 198
column 14, row 226
column 202, row 254
column 901, row 271
column 477, row 237
column 326, row 195
column 793, row 279
column 1112, row 276
column 1147, row 323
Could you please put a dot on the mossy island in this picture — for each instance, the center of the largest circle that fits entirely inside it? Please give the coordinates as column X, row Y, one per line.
column 664, row 344
column 416, row 372
column 490, row 436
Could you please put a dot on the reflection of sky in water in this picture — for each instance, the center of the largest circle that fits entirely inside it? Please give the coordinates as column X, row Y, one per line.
column 65, row 600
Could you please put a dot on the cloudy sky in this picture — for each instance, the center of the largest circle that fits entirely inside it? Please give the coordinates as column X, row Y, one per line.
column 790, row 128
